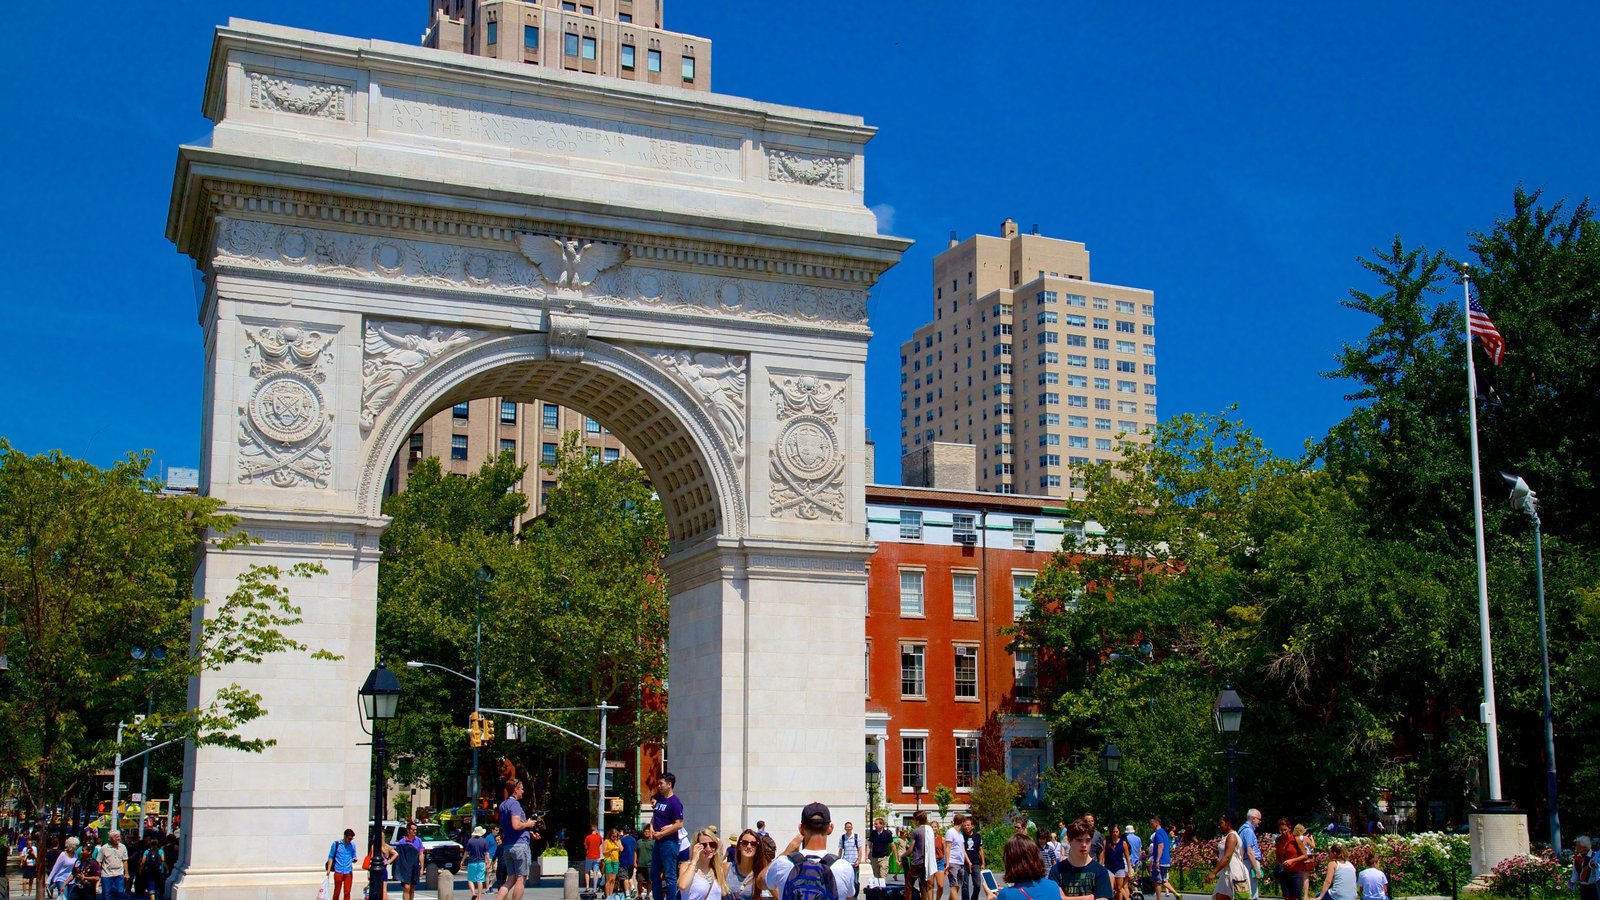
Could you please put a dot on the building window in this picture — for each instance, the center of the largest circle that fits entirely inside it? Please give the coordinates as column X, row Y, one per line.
column 913, row 670
column 625, row 18
column 1021, row 532
column 964, row 595
column 652, row 60
column 569, row 6
column 688, row 68
column 545, row 487
column 551, row 417
column 494, row 32
column 866, row 669
column 966, row 523
column 913, row 761
column 508, row 412
column 910, row 525
column 590, row 426
column 966, row 761
column 458, row 446
column 460, row 411
column 1021, row 593
column 416, row 444
column 627, row 56
column 590, row 51
column 1025, row 671
column 570, row 46
column 507, row 445
column 910, row 592
column 547, row 454
column 587, row 10
column 530, row 37
column 612, row 454
column 966, row 672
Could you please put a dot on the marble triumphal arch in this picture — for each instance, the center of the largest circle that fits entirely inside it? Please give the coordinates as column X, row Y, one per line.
column 386, row 230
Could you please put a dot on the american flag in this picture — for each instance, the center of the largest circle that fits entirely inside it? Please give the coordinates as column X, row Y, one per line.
column 1478, row 323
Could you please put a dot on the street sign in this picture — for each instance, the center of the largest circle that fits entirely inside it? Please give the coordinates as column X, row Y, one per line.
column 616, row 764
column 594, row 775
column 119, row 786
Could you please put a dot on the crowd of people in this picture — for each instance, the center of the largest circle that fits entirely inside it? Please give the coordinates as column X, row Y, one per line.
column 74, row 867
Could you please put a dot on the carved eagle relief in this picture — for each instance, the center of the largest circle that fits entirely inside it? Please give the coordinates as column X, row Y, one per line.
column 565, row 263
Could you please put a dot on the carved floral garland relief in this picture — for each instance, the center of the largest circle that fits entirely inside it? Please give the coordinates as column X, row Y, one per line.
column 285, row 428
column 596, row 273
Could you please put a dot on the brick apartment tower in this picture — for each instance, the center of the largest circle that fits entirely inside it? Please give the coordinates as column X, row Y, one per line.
column 1028, row 361
column 615, row 38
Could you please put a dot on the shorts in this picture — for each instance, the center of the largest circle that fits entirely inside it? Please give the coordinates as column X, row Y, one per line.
column 1119, row 873
column 591, row 865
column 611, row 867
column 624, row 872
column 941, row 865
column 1158, row 874
column 476, row 872
column 517, row 859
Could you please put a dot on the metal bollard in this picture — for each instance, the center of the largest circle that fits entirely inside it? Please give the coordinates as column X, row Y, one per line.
column 569, row 885
column 430, row 876
column 447, row 886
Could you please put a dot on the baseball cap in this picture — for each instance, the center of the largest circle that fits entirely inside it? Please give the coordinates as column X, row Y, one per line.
column 816, row 815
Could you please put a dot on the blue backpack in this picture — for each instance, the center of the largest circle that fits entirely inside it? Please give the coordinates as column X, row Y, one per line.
column 811, row 878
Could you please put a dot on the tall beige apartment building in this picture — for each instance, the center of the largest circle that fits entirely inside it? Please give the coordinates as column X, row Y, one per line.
column 1027, row 360
column 616, row 38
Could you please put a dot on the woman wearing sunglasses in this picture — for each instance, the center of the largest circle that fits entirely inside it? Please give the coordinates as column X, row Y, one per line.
column 747, row 875
column 705, row 877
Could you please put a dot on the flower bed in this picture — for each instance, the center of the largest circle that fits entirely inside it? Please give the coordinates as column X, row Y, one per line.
column 1417, row 864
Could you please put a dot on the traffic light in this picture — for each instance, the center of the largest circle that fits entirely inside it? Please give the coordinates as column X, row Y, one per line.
column 474, row 734
column 485, row 730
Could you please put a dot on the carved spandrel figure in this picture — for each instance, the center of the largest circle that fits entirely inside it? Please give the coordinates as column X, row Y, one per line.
column 720, row 381
column 393, row 350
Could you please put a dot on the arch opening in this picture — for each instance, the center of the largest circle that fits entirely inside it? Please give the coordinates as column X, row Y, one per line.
column 664, row 428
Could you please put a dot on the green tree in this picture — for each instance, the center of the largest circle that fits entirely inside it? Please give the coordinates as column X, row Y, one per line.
column 993, row 798
column 575, row 613
column 92, row 561
column 942, row 798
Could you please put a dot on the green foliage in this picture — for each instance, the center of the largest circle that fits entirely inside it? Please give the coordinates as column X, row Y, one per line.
column 1330, row 590
column 92, row 562
column 942, row 798
column 993, row 799
column 575, row 612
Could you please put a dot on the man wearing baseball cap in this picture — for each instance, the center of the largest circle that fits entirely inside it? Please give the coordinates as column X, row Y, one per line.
column 816, row 824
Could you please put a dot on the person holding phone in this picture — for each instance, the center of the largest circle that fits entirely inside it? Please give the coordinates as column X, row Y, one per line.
column 706, row 875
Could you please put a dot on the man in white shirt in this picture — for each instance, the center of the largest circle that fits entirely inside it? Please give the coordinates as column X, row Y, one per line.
column 955, row 857
column 850, row 849
column 816, row 823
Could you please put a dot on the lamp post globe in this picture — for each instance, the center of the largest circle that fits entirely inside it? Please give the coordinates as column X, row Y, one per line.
column 1228, row 716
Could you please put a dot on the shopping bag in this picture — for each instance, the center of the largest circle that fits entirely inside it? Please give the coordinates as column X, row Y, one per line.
column 326, row 891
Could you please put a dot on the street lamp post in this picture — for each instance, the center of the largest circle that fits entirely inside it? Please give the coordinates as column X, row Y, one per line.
column 156, row 655
column 481, row 580
column 1110, row 763
column 1228, row 715
column 874, row 775
column 1523, row 498
column 380, row 698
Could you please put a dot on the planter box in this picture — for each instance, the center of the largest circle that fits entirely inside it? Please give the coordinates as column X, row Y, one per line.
column 553, row 866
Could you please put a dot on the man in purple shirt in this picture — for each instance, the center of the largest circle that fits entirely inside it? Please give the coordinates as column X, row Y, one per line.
column 666, row 827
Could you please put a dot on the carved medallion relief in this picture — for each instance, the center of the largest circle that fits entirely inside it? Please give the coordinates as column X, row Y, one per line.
column 808, row 461
column 285, row 428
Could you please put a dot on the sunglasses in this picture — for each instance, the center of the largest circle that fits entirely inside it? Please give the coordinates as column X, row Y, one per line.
column 711, row 844
column 747, row 843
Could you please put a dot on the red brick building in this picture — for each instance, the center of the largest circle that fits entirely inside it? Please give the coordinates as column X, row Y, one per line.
column 945, row 700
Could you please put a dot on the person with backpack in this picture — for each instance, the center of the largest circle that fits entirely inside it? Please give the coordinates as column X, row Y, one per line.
column 152, row 879
column 341, row 864
column 806, row 870
column 850, row 850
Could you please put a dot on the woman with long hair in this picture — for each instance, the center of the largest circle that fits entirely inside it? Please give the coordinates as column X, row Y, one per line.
column 1116, row 862
column 1232, row 877
column 705, row 875
column 747, row 876
column 1339, row 880
column 1293, row 862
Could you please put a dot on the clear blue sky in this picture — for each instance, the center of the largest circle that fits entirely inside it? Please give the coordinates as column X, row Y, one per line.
column 1234, row 158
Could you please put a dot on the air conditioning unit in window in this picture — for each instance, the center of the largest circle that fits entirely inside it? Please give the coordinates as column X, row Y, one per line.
column 416, row 454
column 966, row 537
column 1028, row 545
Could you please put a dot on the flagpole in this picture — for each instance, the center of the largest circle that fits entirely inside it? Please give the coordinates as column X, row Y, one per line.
column 1488, row 712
